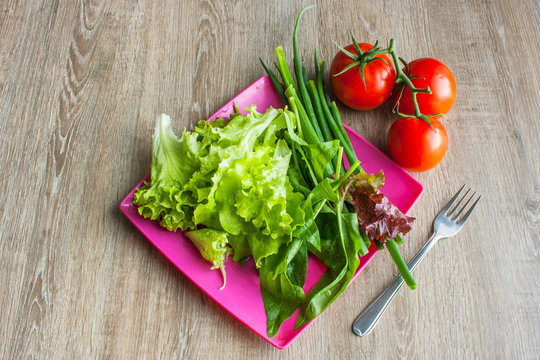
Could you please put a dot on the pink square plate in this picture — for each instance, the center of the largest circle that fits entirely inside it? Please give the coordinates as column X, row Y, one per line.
column 241, row 297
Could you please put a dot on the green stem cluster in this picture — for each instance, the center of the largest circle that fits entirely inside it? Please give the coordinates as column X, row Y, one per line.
column 318, row 116
column 320, row 121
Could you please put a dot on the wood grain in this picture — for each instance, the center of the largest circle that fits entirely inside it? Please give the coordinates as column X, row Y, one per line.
column 80, row 85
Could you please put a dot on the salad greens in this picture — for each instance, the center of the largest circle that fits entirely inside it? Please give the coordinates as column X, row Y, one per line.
column 274, row 187
column 260, row 190
column 229, row 176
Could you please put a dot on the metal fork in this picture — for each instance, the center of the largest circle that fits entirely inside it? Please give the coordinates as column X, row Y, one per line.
column 447, row 223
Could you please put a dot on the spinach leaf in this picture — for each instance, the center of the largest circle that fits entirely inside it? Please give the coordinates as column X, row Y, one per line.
column 319, row 156
column 283, row 295
column 309, row 231
column 340, row 255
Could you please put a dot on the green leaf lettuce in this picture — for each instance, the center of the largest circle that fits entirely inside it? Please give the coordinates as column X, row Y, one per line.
column 229, row 176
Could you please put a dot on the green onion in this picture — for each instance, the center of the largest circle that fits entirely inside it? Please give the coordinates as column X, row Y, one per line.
column 298, row 69
column 310, row 134
column 337, row 117
column 400, row 263
column 323, row 124
column 275, row 81
column 334, row 125
column 284, row 69
column 339, row 160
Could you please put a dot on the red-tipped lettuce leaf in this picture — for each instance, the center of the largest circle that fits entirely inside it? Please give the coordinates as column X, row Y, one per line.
column 377, row 216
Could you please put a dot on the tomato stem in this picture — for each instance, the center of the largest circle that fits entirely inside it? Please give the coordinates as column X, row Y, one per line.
column 361, row 59
column 400, row 75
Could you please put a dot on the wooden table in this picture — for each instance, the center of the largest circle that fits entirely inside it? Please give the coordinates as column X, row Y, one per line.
column 81, row 84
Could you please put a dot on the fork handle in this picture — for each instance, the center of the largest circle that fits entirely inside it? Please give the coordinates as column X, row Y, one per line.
column 366, row 321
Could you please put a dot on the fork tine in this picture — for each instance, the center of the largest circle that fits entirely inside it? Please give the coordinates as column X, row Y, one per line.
column 454, row 208
column 447, row 206
column 464, row 218
column 454, row 217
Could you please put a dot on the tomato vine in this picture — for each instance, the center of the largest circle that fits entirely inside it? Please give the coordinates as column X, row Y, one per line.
column 362, row 58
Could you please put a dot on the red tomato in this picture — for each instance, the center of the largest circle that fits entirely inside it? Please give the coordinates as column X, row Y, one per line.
column 349, row 88
column 432, row 72
column 416, row 146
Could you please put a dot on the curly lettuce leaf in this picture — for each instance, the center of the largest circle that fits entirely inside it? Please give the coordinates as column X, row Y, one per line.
column 240, row 247
column 174, row 161
column 212, row 244
column 230, row 176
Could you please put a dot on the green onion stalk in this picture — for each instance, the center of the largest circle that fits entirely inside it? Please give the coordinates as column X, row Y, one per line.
column 319, row 119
